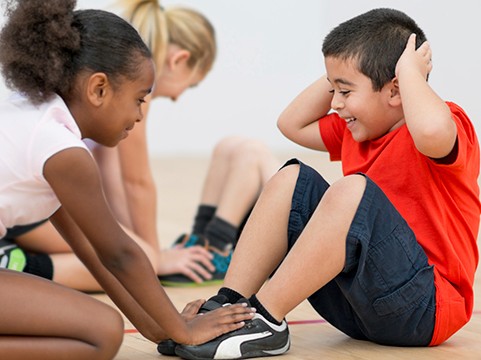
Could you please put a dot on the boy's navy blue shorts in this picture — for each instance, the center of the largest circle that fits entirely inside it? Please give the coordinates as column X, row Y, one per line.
column 385, row 293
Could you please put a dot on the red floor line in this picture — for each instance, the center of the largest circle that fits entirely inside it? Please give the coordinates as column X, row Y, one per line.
column 294, row 322
column 305, row 322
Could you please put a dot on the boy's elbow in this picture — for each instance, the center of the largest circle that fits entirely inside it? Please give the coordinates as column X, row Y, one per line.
column 438, row 142
column 283, row 126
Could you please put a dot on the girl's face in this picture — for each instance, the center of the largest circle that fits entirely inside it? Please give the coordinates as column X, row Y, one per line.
column 369, row 114
column 176, row 76
column 122, row 107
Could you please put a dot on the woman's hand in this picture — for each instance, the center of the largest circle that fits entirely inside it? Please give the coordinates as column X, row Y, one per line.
column 195, row 262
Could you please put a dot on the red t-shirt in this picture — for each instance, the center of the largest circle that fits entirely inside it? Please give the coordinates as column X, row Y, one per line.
column 439, row 202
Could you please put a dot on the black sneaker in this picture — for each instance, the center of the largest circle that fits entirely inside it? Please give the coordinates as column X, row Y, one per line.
column 167, row 347
column 221, row 260
column 258, row 338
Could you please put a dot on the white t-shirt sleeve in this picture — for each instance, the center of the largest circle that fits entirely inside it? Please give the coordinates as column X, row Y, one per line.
column 55, row 133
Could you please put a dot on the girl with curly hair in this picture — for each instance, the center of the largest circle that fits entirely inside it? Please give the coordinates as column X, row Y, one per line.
column 184, row 49
column 77, row 74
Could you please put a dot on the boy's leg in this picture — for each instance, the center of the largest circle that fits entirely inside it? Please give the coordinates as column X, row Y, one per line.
column 319, row 253
column 263, row 243
column 385, row 292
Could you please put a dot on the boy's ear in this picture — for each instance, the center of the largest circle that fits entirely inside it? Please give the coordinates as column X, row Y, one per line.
column 178, row 57
column 98, row 87
column 395, row 94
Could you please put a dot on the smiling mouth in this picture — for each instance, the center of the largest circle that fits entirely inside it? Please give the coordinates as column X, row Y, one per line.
column 350, row 120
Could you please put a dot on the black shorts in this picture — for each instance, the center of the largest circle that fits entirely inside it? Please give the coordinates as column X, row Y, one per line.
column 18, row 230
column 385, row 293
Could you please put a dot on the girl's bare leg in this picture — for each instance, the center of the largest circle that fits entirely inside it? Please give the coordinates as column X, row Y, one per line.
column 42, row 320
column 68, row 269
column 43, row 239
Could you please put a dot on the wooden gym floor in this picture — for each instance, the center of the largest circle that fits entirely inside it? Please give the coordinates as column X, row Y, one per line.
column 179, row 182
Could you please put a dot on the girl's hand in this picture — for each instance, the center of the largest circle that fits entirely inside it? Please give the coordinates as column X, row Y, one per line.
column 208, row 326
column 415, row 59
column 191, row 309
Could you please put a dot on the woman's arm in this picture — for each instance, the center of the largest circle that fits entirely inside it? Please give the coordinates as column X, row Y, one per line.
column 299, row 121
column 139, row 185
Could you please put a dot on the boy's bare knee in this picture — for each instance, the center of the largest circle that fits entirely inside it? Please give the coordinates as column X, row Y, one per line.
column 287, row 175
column 346, row 191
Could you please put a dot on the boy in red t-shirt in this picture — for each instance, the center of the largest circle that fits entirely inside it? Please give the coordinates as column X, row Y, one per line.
column 387, row 253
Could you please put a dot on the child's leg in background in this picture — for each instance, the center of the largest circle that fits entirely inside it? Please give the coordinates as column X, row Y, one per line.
column 238, row 170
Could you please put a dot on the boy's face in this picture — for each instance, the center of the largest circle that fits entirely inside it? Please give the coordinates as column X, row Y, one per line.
column 369, row 114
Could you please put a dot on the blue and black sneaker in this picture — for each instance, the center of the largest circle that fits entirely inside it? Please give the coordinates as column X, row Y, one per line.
column 167, row 347
column 258, row 338
column 221, row 260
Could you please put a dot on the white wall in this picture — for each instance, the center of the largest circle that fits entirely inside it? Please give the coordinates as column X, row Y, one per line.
column 269, row 50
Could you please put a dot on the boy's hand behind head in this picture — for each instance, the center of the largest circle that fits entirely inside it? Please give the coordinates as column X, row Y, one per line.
column 413, row 59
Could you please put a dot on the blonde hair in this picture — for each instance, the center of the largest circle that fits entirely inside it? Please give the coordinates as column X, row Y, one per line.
column 184, row 27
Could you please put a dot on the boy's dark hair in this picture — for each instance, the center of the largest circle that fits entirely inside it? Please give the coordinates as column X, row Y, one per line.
column 376, row 40
column 46, row 44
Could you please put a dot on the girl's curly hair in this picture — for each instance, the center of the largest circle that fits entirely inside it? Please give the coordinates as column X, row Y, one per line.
column 46, row 44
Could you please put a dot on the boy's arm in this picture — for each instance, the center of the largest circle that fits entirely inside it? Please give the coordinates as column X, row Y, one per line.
column 427, row 116
column 299, row 121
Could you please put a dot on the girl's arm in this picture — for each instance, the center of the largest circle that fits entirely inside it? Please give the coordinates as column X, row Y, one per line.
column 299, row 121
column 427, row 116
column 117, row 262
column 86, row 253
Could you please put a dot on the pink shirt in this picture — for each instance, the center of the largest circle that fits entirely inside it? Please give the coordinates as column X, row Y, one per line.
column 29, row 136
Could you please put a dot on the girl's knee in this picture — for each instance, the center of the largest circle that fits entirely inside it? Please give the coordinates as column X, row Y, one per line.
column 109, row 331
